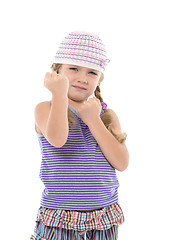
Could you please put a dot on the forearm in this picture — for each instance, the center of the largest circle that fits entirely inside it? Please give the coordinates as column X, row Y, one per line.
column 116, row 153
column 57, row 125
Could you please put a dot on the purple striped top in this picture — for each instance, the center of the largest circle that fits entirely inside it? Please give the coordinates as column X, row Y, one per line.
column 77, row 175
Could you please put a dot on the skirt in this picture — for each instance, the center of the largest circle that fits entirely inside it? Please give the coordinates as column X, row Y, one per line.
column 57, row 224
column 53, row 233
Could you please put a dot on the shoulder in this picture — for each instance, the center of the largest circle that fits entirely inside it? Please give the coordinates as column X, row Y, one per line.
column 114, row 121
column 42, row 106
column 45, row 103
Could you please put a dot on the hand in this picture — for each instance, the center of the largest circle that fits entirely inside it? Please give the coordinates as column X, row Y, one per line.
column 90, row 111
column 56, row 83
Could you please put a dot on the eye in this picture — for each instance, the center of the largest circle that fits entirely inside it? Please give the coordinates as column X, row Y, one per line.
column 93, row 73
column 73, row 69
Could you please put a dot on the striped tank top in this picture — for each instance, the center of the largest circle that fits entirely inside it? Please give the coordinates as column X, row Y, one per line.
column 77, row 176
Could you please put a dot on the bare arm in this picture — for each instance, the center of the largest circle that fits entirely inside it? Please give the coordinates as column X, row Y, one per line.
column 115, row 152
column 52, row 121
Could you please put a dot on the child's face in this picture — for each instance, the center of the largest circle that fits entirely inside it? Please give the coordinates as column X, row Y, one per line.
column 83, row 77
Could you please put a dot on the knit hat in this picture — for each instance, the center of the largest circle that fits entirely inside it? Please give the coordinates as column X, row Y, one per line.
column 82, row 49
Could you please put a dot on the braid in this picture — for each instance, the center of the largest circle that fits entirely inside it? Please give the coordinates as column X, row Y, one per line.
column 107, row 118
column 97, row 91
column 98, row 94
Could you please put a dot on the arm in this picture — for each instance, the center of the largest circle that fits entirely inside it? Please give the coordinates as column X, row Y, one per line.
column 52, row 121
column 116, row 153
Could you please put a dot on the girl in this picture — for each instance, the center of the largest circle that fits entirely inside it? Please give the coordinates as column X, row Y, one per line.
column 82, row 147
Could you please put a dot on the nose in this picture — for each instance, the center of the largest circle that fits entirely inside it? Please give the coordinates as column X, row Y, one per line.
column 82, row 78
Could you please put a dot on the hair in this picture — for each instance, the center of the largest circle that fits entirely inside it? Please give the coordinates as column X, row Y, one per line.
column 106, row 116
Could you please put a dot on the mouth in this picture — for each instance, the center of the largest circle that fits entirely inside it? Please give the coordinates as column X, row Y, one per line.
column 80, row 88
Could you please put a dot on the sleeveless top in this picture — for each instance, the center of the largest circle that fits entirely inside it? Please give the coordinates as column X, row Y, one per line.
column 77, row 176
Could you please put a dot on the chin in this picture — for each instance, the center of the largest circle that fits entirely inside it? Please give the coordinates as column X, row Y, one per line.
column 77, row 98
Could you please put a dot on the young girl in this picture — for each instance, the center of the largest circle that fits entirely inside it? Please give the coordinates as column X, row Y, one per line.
column 82, row 146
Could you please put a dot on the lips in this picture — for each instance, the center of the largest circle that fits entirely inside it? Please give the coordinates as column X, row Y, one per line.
column 80, row 87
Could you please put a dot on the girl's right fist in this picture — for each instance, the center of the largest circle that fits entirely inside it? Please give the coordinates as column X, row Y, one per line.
column 56, row 83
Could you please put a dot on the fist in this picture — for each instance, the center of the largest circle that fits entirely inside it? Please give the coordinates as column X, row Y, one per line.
column 90, row 111
column 56, row 83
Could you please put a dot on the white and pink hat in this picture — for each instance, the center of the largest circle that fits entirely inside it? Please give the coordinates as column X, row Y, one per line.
column 82, row 49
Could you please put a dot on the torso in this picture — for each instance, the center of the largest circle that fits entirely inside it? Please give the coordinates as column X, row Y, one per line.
column 104, row 163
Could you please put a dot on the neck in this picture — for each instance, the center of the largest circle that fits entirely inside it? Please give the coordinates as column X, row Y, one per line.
column 75, row 104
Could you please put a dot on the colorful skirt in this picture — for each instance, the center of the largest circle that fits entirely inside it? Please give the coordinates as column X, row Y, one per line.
column 52, row 224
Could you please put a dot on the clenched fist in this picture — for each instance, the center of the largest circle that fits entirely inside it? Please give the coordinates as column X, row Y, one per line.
column 56, row 83
column 90, row 111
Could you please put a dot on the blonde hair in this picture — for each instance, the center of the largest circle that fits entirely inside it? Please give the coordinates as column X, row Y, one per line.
column 106, row 117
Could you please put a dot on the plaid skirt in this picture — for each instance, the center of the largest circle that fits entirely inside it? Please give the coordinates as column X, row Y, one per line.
column 57, row 224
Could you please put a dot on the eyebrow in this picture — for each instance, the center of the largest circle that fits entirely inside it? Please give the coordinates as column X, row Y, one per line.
column 90, row 69
column 73, row 65
column 93, row 70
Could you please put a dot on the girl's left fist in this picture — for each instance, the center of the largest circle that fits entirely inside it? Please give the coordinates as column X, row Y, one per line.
column 90, row 111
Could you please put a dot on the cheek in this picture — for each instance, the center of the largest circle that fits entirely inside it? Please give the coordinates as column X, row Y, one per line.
column 96, row 83
column 68, row 76
column 70, row 79
column 64, row 71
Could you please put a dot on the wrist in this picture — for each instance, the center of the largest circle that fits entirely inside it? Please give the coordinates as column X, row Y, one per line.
column 94, row 123
column 60, row 99
column 59, row 96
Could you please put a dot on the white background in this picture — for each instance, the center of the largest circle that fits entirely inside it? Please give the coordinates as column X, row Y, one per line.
column 139, row 37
